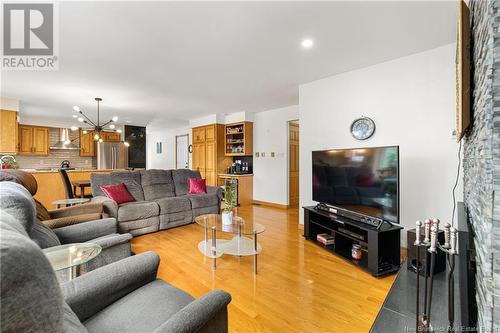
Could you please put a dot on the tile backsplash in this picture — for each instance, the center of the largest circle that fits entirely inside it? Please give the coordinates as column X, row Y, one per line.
column 55, row 157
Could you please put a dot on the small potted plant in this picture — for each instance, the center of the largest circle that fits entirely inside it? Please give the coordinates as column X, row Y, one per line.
column 229, row 195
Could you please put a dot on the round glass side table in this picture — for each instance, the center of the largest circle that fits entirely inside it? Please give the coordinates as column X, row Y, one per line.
column 239, row 245
column 71, row 256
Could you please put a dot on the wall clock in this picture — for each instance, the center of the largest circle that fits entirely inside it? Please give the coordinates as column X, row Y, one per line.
column 362, row 128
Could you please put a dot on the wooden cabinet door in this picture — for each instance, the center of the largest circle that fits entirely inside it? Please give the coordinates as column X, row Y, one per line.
column 210, row 133
column 40, row 141
column 199, row 157
column 25, row 139
column 210, row 163
column 8, row 132
column 111, row 136
column 87, row 144
column 199, row 135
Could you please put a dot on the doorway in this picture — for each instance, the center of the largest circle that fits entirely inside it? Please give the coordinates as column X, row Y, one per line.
column 182, row 151
column 293, row 163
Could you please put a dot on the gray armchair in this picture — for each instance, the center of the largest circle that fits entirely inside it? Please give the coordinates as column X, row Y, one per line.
column 124, row 296
column 107, row 300
column 18, row 202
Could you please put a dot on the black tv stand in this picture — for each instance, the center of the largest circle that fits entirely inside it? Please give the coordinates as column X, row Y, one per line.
column 380, row 245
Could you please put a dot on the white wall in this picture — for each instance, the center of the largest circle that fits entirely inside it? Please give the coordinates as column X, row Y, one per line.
column 9, row 104
column 165, row 160
column 270, row 134
column 412, row 101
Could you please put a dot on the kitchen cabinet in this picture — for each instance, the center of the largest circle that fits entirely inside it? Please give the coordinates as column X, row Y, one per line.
column 208, row 152
column 87, row 144
column 33, row 140
column 8, row 132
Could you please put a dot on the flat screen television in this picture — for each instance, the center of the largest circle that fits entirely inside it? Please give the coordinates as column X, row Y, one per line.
column 361, row 180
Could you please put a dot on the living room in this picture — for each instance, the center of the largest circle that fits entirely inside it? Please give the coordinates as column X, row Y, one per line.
column 249, row 166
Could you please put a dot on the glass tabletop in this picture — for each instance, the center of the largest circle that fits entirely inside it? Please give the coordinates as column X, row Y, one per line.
column 72, row 201
column 215, row 220
column 70, row 255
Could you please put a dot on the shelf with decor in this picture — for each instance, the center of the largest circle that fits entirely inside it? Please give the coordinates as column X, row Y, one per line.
column 238, row 139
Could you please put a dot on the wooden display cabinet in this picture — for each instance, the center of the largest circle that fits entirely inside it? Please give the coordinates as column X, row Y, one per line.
column 238, row 139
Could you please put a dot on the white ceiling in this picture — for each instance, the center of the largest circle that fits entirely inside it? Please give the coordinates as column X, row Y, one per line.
column 171, row 61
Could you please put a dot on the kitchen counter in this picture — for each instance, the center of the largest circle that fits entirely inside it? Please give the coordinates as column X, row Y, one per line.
column 56, row 170
column 51, row 186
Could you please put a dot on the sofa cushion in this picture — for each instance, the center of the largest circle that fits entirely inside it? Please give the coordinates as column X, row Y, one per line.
column 18, row 202
column 157, row 184
column 44, row 236
column 131, row 179
column 118, row 193
column 160, row 298
column 203, row 200
column 181, row 177
column 137, row 210
column 97, row 180
column 173, row 205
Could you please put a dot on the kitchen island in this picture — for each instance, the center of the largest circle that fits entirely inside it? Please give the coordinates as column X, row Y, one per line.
column 51, row 186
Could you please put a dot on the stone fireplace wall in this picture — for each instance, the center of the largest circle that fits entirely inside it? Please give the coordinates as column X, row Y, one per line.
column 482, row 160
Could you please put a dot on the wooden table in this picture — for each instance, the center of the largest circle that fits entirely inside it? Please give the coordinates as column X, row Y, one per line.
column 82, row 184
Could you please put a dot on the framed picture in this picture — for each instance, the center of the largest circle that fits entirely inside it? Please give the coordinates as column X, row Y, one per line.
column 463, row 71
column 159, row 148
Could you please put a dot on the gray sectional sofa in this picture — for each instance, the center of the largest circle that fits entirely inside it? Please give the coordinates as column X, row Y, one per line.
column 161, row 198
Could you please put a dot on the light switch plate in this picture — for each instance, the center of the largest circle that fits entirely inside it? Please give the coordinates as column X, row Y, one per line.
column 272, row 154
column 263, row 154
column 257, row 154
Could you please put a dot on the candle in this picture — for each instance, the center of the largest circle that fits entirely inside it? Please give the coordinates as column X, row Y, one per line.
column 417, row 232
column 427, row 230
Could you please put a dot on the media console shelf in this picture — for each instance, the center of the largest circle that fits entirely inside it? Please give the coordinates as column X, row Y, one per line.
column 380, row 247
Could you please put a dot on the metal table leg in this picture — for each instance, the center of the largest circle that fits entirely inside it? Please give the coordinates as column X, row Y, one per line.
column 214, row 245
column 255, row 255
column 206, row 236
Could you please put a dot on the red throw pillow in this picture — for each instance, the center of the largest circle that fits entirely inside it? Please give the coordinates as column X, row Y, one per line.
column 118, row 193
column 196, row 186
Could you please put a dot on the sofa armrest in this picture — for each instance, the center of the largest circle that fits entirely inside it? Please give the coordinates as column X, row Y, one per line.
column 90, row 208
column 70, row 220
column 110, row 207
column 206, row 314
column 215, row 189
column 93, row 291
column 86, row 231
column 111, row 240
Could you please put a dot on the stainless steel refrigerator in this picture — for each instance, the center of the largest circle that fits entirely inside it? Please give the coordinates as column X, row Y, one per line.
column 112, row 155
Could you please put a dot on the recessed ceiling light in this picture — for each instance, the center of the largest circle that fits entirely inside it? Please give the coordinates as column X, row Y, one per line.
column 307, row 43
column 128, row 121
column 75, row 116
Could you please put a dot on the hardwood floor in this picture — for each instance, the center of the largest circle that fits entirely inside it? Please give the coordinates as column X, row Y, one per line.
column 299, row 286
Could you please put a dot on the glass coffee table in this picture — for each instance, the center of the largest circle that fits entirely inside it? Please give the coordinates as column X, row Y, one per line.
column 71, row 256
column 239, row 245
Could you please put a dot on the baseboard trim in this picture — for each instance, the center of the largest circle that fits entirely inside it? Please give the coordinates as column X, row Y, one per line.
column 269, row 204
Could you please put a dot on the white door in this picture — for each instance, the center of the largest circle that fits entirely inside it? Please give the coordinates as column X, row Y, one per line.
column 182, row 151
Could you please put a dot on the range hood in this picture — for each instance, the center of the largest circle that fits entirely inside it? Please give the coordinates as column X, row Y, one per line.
column 64, row 141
